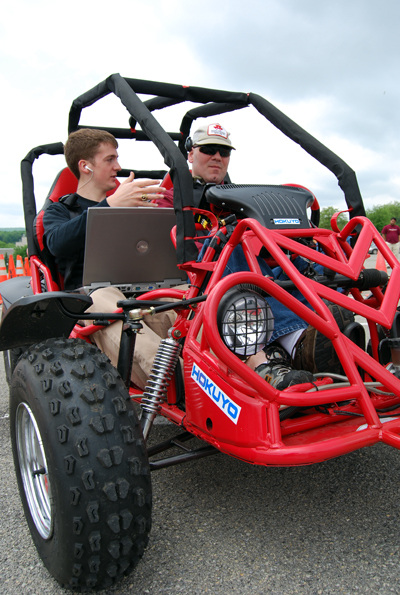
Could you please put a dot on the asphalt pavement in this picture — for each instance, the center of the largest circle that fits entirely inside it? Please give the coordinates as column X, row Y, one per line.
column 223, row 527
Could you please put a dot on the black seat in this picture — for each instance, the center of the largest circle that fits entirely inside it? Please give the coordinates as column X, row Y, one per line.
column 275, row 207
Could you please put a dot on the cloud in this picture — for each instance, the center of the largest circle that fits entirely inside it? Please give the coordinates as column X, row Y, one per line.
column 332, row 67
column 344, row 53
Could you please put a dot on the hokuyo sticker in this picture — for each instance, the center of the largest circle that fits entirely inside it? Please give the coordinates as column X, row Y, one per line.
column 227, row 406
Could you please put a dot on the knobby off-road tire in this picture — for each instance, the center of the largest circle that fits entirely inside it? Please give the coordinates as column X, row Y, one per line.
column 81, row 463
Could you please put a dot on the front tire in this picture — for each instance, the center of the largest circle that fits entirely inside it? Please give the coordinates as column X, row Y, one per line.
column 81, row 463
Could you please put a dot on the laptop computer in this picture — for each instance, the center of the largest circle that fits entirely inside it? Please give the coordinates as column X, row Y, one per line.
column 130, row 248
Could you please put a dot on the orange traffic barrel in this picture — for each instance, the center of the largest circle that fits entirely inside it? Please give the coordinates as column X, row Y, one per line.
column 380, row 262
column 11, row 267
column 19, row 267
column 3, row 270
column 27, row 268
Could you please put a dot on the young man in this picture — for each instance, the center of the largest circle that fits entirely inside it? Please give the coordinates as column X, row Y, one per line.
column 391, row 235
column 92, row 156
column 292, row 340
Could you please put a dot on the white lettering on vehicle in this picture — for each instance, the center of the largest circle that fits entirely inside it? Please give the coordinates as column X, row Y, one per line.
column 226, row 404
column 287, row 221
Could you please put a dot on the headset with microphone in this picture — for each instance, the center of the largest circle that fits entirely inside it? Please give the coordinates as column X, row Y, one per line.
column 188, row 144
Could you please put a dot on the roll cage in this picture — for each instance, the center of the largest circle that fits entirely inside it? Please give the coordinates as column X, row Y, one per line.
column 171, row 145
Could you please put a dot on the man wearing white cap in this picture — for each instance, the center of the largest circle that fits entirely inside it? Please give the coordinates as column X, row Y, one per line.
column 209, row 153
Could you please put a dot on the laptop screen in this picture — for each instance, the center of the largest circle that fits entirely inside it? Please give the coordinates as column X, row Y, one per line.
column 131, row 248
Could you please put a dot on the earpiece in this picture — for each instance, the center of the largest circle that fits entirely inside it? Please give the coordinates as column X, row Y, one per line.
column 88, row 168
column 188, row 144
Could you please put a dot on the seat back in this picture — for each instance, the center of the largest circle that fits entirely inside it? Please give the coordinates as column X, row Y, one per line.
column 167, row 182
column 64, row 183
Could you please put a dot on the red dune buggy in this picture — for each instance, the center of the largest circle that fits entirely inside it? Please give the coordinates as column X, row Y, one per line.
column 81, row 456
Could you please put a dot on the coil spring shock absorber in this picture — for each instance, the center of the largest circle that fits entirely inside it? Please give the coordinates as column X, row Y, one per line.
column 156, row 389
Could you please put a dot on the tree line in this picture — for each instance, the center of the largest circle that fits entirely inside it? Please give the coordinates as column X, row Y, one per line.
column 379, row 215
column 9, row 238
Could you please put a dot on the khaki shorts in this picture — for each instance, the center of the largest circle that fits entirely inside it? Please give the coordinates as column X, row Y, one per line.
column 108, row 339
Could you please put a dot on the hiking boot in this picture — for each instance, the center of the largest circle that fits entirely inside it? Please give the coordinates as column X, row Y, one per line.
column 278, row 372
column 315, row 352
column 274, row 351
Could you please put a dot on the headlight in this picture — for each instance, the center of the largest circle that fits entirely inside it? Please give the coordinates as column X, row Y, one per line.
column 245, row 320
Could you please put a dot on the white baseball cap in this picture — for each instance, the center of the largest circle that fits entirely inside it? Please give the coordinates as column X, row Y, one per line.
column 212, row 134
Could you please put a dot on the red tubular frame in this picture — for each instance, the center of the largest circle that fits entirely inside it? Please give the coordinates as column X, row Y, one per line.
column 38, row 269
column 259, row 436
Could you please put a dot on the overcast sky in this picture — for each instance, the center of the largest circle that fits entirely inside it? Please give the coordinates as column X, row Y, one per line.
column 330, row 66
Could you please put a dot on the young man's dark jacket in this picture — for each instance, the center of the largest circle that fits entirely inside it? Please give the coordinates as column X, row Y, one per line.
column 64, row 236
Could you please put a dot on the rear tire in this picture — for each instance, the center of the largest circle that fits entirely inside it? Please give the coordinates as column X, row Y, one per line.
column 81, row 463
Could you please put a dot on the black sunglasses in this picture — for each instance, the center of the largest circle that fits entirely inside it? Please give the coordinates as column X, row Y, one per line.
column 213, row 149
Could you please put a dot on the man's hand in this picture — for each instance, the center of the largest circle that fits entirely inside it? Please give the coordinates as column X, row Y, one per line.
column 136, row 193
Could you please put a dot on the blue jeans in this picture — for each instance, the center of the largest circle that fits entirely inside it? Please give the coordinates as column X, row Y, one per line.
column 286, row 321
